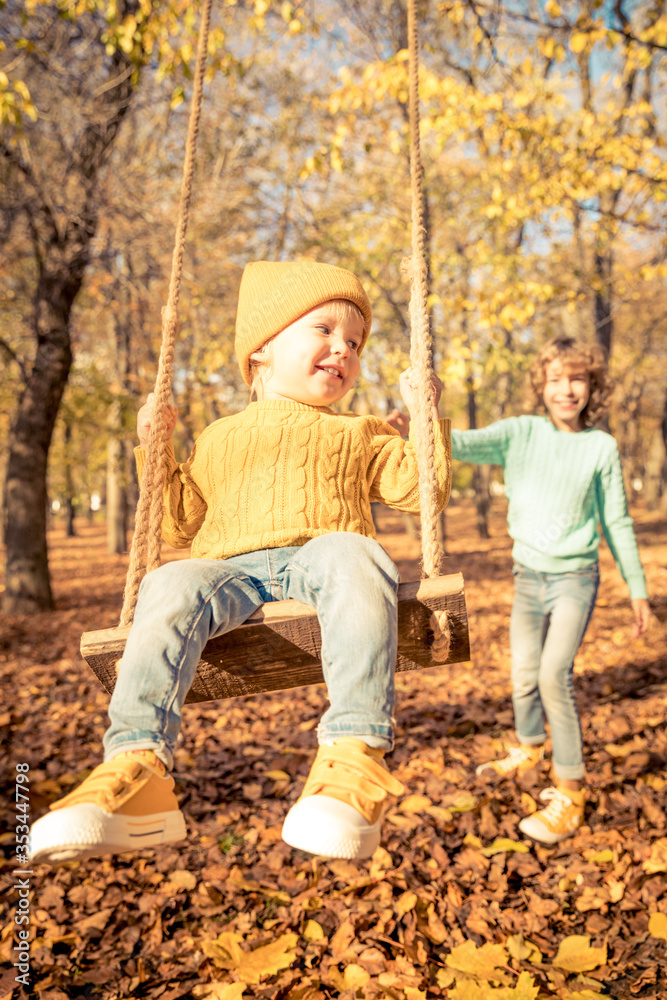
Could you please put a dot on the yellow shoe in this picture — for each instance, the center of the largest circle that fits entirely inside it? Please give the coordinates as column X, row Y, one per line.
column 520, row 759
column 339, row 813
column 125, row 804
column 561, row 818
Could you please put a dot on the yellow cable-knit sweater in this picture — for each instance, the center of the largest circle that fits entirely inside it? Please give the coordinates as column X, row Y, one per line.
column 281, row 472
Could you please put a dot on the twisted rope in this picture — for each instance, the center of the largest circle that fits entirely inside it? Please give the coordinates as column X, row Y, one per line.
column 421, row 351
column 146, row 543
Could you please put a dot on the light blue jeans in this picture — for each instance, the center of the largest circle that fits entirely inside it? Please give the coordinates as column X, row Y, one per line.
column 550, row 615
column 350, row 581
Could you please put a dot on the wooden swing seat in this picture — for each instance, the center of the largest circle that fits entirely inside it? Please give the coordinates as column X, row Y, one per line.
column 279, row 646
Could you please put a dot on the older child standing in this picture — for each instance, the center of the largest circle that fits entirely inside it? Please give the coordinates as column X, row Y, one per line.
column 275, row 503
column 562, row 477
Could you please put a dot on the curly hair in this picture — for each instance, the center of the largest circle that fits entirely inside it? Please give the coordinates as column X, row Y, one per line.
column 570, row 351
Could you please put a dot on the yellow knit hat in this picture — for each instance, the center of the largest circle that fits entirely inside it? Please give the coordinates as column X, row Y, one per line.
column 274, row 294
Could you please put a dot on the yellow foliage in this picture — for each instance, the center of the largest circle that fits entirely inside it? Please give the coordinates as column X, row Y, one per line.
column 355, row 977
column 414, row 804
column 405, row 902
column 480, row 962
column 444, row 978
column 460, row 802
column 470, row 990
column 576, row 955
column 312, row 931
column 501, row 844
column 252, row 966
column 524, row 989
column 522, row 950
column 219, row 991
column 657, row 926
column 15, row 102
column 658, row 859
column 578, row 41
column 352, row 978
column 602, row 857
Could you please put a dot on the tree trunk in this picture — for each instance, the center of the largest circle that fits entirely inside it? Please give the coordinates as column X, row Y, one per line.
column 28, row 586
column 603, row 297
column 480, row 473
column 603, row 270
column 70, row 511
column 116, row 497
column 61, row 244
column 70, row 501
column 117, row 464
column 132, row 487
column 655, row 475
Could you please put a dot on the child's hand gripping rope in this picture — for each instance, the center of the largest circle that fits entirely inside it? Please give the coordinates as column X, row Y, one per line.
column 145, row 419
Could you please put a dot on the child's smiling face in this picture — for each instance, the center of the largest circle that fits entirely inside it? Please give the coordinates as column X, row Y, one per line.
column 314, row 360
column 567, row 389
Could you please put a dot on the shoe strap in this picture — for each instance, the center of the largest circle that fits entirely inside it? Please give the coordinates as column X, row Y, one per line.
column 344, row 769
column 111, row 784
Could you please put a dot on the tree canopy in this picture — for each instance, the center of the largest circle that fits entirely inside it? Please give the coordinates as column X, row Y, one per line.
column 543, row 133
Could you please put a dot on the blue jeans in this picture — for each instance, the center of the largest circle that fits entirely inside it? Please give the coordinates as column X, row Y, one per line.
column 550, row 615
column 350, row 581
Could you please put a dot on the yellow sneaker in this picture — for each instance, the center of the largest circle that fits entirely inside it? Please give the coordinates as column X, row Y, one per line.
column 339, row 813
column 561, row 818
column 520, row 759
column 125, row 804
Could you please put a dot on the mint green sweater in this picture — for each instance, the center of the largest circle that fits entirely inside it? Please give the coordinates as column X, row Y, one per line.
column 560, row 487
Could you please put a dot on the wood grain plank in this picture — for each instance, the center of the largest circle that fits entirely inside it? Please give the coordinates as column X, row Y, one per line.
column 278, row 647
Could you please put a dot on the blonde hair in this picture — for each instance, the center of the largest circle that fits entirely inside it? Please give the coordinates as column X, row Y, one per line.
column 572, row 352
column 343, row 311
column 260, row 369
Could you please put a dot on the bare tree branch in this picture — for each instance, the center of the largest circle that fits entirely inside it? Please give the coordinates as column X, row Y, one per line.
column 13, row 356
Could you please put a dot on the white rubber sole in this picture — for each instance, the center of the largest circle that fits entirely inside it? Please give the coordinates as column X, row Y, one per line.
column 324, row 826
column 86, row 831
column 483, row 768
column 536, row 830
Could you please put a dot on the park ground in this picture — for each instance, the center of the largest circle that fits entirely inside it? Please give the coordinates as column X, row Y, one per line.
column 455, row 904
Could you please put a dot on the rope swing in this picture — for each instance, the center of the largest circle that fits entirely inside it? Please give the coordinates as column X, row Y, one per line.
column 147, row 539
column 421, row 352
column 279, row 646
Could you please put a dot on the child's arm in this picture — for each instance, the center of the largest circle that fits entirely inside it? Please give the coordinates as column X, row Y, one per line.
column 481, row 447
column 619, row 532
column 393, row 473
column 487, row 446
column 641, row 610
column 184, row 508
column 400, row 422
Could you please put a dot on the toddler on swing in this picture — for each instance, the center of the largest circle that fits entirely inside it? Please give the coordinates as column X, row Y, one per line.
column 275, row 503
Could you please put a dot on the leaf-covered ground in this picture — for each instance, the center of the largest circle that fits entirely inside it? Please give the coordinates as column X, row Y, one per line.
column 454, row 904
